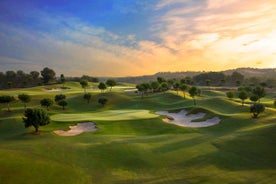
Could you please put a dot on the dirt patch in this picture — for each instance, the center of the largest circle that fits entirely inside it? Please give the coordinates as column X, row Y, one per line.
column 182, row 119
column 77, row 129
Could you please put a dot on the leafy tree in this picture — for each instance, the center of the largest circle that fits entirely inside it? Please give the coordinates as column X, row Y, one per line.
column 193, row 91
column 176, row 86
column 230, row 94
column 256, row 109
column 87, row 96
column 59, row 97
column 84, row 84
column 155, row 86
column 254, row 98
column 62, row 103
column 111, row 83
column 62, row 80
column 102, row 86
column 5, row 99
column 243, row 96
column 34, row 74
column 164, row 86
column 141, row 89
column 102, row 101
column 47, row 102
column 48, row 75
column 183, row 87
column 237, row 78
column 161, row 80
column 24, row 98
column 35, row 118
column 259, row 91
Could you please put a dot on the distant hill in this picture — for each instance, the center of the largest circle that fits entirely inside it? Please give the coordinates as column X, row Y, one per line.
column 247, row 72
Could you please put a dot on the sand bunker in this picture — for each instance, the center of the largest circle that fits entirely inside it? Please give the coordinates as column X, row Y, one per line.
column 78, row 129
column 182, row 119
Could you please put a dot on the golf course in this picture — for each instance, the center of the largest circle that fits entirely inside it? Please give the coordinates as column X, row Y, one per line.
column 132, row 143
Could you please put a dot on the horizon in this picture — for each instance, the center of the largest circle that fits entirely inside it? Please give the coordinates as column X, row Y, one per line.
column 119, row 38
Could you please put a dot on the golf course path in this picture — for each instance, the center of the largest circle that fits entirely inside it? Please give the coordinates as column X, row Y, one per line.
column 182, row 119
column 78, row 129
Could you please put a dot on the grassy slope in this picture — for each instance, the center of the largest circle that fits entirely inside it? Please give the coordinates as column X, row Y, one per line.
column 238, row 150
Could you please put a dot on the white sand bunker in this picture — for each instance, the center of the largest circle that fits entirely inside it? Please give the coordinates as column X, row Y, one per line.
column 182, row 119
column 78, row 129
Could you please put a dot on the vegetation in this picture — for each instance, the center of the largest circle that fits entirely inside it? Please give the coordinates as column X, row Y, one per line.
column 256, row 109
column 48, row 75
column 6, row 99
column 60, row 97
column 144, row 149
column 243, row 96
column 24, row 98
column 62, row 80
column 102, row 86
column 111, row 83
column 62, row 103
column 87, row 97
column 259, row 92
column 102, row 101
column 47, row 102
column 84, row 84
column 230, row 94
column 35, row 118
column 193, row 91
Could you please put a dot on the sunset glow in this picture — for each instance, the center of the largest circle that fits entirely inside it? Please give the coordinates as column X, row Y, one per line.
column 127, row 38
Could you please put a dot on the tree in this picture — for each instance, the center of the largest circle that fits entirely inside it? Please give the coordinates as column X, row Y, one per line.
column 141, row 89
column 193, row 91
column 259, row 91
column 111, row 83
column 254, row 98
column 155, row 86
column 62, row 80
column 183, row 88
column 87, row 96
column 62, row 103
column 230, row 94
column 84, row 84
column 164, row 86
column 243, row 96
column 59, row 97
column 47, row 102
column 5, row 99
column 34, row 74
column 237, row 78
column 161, row 80
column 176, row 86
column 256, row 109
column 102, row 101
column 24, row 98
column 102, row 86
column 35, row 118
column 48, row 75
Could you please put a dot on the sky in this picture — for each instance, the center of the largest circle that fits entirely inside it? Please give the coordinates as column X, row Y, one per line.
column 136, row 37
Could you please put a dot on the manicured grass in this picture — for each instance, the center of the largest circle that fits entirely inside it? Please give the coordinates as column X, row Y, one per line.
column 109, row 115
column 133, row 145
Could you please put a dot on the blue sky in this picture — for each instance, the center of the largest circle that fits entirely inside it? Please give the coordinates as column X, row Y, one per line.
column 136, row 37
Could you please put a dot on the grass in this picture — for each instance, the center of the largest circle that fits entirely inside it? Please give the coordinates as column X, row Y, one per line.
column 136, row 146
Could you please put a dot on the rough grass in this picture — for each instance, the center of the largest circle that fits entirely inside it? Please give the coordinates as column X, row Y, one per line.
column 238, row 150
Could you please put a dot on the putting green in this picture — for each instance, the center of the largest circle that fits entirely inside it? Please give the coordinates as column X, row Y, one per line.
column 110, row 115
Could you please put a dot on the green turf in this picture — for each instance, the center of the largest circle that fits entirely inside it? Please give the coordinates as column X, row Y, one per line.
column 133, row 145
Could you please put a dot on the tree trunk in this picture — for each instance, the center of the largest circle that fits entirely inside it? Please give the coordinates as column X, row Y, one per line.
column 194, row 101
column 25, row 106
column 63, row 108
column 9, row 107
column 36, row 129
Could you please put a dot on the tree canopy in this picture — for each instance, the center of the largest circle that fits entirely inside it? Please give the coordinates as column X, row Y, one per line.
column 35, row 118
column 24, row 98
column 48, row 75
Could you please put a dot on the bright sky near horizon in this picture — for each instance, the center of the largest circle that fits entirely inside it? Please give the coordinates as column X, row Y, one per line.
column 136, row 37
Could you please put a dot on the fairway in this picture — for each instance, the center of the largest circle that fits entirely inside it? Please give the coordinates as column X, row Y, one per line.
column 129, row 143
column 110, row 115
